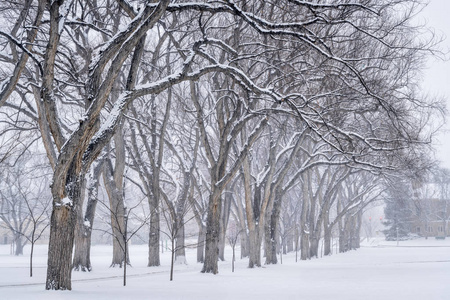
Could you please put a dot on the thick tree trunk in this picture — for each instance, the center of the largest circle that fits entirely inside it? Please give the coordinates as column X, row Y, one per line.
column 304, row 229
column 345, row 235
column 82, row 254
column 342, row 241
column 113, row 179
column 255, row 220
column 222, row 240
column 180, row 247
column 153, row 239
column 327, row 241
column 315, row 238
column 224, row 224
column 118, row 231
column 244, row 244
column 62, row 231
column 201, row 244
column 304, row 245
column 314, row 247
column 19, row 241
column 255, row 247
column 357, row 238
column 268, row 240
column 271, row 255
column 212, row 233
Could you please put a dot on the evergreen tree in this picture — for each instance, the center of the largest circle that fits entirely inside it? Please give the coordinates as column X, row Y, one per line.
column 398, row 211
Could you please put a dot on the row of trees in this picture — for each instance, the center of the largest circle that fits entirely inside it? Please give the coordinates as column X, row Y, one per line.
column 285, row 117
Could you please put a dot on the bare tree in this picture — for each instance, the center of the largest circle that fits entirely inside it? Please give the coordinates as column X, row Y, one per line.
column 344, row 70
column 25, row 203
column 232, row 237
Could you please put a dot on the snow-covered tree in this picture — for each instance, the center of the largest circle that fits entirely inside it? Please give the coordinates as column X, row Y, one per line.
column 346, row 71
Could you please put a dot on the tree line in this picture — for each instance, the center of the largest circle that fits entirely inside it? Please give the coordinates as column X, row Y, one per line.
column 281, row 120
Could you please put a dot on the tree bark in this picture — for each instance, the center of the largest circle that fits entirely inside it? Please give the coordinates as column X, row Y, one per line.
column 255, row 247
column 304, row 229
column 201, row 244
column 327, row 237
column 82, row 253
column 180, row 247
column 244, row 244
column 154, row 237
column 19, row 242
column 254, row 219
column 271, row 256
column 212, row 233
column 224, row 223
column 62, row 231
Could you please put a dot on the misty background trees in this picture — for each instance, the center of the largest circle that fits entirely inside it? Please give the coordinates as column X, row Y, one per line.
column 281, row 120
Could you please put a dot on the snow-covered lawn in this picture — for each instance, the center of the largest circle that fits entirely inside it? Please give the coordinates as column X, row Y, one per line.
column 417, row 269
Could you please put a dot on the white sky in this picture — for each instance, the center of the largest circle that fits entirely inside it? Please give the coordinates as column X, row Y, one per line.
column 437, row 76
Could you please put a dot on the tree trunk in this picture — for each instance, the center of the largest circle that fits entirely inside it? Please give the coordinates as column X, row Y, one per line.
column 244, row 244
column 212, row 233
column 59, row 269
column 315, row 238
column 342, row 241
column 118, row 231
column 255, row 247
column 327, row 240
column 180, row 248
column 314, row 246
column 19, row 244
column 114, row 189
column 82, row 254
column 153, row 239
column 271, row 255
column 62, row 230
column 224, row 224
column 201, row 244
column 304, row 245
column 357, row 240
column 81, row 257
column 254, row 219
column 304, row 229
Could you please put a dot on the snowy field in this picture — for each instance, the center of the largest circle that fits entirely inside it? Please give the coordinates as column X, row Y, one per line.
column 417, row 269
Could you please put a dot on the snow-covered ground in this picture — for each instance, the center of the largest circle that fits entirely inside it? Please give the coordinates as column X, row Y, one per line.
column 418, row 269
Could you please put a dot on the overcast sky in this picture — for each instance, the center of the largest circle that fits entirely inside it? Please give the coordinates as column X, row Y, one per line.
column 437, row 75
